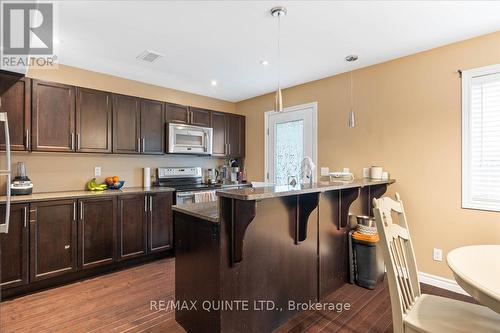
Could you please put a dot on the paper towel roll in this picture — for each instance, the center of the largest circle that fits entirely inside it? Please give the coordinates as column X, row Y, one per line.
column 147, row 178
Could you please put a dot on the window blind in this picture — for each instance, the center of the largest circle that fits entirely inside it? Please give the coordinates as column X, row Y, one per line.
column 481, row 135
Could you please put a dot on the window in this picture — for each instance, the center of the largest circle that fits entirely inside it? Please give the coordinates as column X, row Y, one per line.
column 481, row 138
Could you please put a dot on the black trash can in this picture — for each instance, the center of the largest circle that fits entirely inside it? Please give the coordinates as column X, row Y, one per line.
column 368, row 260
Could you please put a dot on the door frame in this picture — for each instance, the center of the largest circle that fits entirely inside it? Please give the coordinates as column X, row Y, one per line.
column 267, row 114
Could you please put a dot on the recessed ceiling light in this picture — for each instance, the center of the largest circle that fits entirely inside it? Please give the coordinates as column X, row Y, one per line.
column 213, row 83
column 264, row 62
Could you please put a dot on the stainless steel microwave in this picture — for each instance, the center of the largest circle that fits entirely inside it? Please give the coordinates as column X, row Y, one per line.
column 187, row 139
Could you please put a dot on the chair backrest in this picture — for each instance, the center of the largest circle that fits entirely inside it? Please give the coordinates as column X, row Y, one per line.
column 399, row 257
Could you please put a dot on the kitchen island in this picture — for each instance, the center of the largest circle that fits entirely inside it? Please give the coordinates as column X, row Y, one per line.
column 257, row 256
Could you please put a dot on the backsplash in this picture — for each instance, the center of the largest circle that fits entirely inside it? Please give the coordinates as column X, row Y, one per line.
column 62, row 172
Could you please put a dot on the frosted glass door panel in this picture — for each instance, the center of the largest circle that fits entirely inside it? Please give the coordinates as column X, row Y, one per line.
column 289, row 150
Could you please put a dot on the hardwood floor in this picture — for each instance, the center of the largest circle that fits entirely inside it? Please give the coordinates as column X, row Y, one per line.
column 120, row 302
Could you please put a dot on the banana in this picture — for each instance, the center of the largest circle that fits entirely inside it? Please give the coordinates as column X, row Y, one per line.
column 92, row 186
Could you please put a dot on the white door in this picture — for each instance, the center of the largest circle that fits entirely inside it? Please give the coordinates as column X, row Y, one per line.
column 290, row 136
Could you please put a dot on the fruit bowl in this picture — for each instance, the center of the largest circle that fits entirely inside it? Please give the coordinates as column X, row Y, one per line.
column 116, row 186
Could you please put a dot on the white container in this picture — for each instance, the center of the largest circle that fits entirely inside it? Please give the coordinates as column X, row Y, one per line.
column 376, row 172
column 147, row 178
column 385, row 175
column 366, row 172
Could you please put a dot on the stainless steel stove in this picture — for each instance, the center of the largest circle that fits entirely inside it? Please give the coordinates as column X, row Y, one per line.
column 186, row 181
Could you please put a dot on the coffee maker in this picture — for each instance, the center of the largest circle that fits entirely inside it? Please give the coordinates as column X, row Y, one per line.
column 21, row 185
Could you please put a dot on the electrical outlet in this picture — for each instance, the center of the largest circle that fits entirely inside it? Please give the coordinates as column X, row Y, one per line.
column 437, row 255
column 325, row 171
column 97, row 171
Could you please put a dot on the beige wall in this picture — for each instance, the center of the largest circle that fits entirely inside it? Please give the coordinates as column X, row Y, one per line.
column 408, row 121
column 56, row 171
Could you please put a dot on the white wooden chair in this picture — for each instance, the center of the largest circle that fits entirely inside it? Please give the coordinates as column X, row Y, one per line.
column 411, row 310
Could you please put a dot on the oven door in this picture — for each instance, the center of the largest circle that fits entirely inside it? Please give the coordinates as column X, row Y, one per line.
column 183, row 198
column 183, row 139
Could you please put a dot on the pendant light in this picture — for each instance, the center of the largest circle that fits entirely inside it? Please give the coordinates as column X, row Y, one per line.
column 351, row 121
column 278, row 102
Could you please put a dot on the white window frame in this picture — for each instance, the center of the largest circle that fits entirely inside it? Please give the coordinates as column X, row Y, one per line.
column 467, row 77
column 267, row 114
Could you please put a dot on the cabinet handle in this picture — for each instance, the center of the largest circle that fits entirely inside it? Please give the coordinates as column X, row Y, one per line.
column 143, row 145
column 72, row 141
column 74, row 211
column 77, row 141
column 81, row 210
column 145, row 203
column 150, row 204
column 229, row 148
column 139, row 144
column 25, row 216
column 27, row 139
column 66, row 247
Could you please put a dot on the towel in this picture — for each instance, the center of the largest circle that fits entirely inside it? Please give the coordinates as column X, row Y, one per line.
column 206, row 196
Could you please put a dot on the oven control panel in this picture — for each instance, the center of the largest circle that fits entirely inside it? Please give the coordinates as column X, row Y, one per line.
column 190, row 172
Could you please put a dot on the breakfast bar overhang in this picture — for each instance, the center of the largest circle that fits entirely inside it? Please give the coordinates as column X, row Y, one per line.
column 257, row 256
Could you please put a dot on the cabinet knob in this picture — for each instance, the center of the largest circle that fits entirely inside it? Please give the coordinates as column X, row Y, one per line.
column 66, row 247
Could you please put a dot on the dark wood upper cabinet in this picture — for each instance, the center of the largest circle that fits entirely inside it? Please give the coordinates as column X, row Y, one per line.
column 14, row 247
column 219, row 134
column 177, row 114
column 235, row 135
column 93, row 121
column 126, row 124
column 160, row 222
column 53, row 239
column 53, row 116
column 228, row 135
column 152, row 127
column 200, row 117
column 132, row 226
column 97, row 231
column 15, row 99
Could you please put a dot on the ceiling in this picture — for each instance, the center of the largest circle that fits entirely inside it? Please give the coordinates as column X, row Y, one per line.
column 225, row 40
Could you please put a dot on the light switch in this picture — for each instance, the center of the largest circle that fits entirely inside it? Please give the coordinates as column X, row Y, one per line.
column 97, row 171
column 325, row 171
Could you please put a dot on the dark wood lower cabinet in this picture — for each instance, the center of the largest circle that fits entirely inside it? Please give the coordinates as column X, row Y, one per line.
column 97, row 231
column 132, row 227
column 160, row 222
column 14, row 247
column 54, row 242
column 53, row 239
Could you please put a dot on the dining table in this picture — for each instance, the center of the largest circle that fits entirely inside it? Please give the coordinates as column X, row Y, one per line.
column 476, row 269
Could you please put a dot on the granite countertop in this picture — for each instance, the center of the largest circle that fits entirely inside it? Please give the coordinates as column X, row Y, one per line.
column 259, row 193
column 208, row 211
column 43, row 196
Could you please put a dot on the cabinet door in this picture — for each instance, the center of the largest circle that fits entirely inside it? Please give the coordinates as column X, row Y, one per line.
column 93, row 121
column 126, row 125
column 132, row 226
column 200, row 117
column 219, row 134
column 53, row 237
column 14, row 247
column 160, row 222
column 153, row 127
column 96, row 231
column 235, row 135
column 177, row 114
column 53, row 117
column 15, row 94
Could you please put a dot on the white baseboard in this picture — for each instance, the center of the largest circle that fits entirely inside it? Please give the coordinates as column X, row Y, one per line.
column 441, row 282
